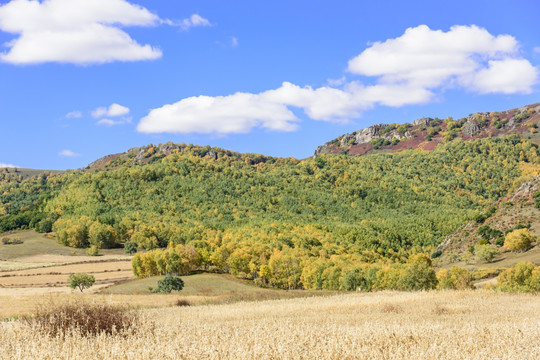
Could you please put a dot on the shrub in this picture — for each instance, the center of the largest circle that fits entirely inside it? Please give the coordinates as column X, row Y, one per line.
column 518, row 240
column 169, row 283
column 182, row 302
column 436, row 254
column 485, row 252
column 456, row 278
column 12, row 241
column 522, row 277
column 92, row 250
column 130, row 247
column 81, row 281
column 88, row 319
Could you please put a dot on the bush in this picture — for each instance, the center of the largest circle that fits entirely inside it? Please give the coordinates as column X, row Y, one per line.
column 12, row 241
column 456, row 278
column 88, row 319
column 169, row 283
column 436, row 254
column 130, row 247
column 485, row 252
column 518, row 240
column 92, row 250
column 523, row 277
column 182, row 302
column 81, row 281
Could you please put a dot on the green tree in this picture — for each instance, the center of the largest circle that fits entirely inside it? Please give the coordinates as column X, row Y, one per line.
column 81, row 281
column 169, row 283
column 485, row 253
column 130, row 247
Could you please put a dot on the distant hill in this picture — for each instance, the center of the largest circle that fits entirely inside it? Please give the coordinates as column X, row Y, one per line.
column 151, row 153
column 10, row 174
column 427, row 133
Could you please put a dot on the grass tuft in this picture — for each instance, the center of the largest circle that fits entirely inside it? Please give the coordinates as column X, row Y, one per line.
column 182, row 302
column 87, row 319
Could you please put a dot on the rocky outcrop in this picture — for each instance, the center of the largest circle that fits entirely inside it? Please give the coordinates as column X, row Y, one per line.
column 422, row 121
column 471, row 127
column 370, row 133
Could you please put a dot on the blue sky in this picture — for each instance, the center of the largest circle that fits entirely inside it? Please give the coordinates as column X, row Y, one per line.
column 80, row 79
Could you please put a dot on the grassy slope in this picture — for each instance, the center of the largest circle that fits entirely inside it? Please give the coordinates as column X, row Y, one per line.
column 34, row 244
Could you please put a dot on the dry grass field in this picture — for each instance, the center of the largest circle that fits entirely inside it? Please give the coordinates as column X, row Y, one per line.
column 386, row 325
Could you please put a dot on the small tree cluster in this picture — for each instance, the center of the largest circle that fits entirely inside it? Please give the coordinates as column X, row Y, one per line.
column 456, row 278
column 179, row 259
column 523, row 277
column 518, row 240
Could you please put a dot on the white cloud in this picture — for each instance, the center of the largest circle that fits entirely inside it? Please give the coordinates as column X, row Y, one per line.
column 337, row 82
column 2, row 165
column 74, row 115
column 110, row 122
column 68, row 153
column 74, row 31
column 194, row 20
column 410, row 69
column 237, row 113
column 112, row 111
column 241, row 112
column 234, row 42
column 537, row 49
column 508, row 76
column 464, row 56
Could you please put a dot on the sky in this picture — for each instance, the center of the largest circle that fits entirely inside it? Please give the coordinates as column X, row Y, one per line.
column 81, row 79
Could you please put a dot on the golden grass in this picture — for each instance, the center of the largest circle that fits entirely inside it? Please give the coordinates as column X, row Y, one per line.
column 388, row 325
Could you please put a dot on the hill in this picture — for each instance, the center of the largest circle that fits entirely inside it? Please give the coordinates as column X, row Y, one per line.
column 428, row 133
column 309, row 222
column 10, row 175
column 520, row 209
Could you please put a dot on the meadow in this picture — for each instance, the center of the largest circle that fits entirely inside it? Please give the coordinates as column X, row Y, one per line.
column 384, row 325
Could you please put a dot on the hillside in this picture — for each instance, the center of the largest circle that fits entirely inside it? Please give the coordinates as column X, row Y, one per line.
column 520, row 209
column 427, row 133
column 242, row 212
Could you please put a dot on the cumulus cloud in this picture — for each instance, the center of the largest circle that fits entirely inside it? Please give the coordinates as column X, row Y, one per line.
column 112, row 111
column 237, row 113
column 111, row 122
column 410, row 69
column 464, row 56
column 3, row 165
column 194, row 20
column 68, row 153
column 74, row 31
column 74, row 115
column 241, row 112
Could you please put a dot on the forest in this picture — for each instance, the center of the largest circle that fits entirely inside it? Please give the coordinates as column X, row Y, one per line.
column 284, row 222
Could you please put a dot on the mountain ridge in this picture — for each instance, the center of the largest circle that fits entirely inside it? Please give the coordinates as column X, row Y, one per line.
column 426, row 133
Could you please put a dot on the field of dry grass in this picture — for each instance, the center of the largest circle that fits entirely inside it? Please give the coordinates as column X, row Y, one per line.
column 387, row 325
